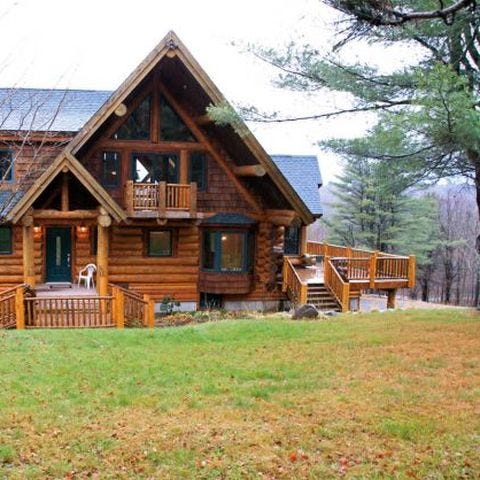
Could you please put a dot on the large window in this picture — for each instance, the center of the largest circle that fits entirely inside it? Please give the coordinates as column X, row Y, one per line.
column 137, row 124
column 198, row 169
column 6, row 165
column 227, row 251
column 172, row 127
column 160, row 243
column 5, row 240
column 155, row 167
column 110, row 169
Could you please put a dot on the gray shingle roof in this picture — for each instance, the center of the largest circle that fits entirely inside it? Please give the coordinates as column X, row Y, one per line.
column 48, row 109
column 303, row 174
column 8, row 199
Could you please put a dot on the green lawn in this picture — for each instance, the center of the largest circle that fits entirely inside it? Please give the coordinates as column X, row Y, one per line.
column 393, row 395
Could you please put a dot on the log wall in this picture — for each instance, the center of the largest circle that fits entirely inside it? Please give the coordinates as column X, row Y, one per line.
column 175, row 276
column 11, row 266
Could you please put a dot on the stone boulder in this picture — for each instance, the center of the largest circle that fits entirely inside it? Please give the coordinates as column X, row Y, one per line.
column 305, row 311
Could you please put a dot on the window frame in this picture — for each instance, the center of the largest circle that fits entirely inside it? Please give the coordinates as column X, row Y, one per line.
column 8, row 251
column 117, row 160
column 148, row 251
column 248, row 250
column 10, row 177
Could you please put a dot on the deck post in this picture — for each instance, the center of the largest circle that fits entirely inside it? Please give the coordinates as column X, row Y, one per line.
column 104, row 221
column 193, row 199
column 411, row 271
column 162, row 199
column 391, row 298
column 119, row 307
column 373, row 268
column 325, row 249
column 129, row 207
column 28, row 251
column 19, row 309
column 303, row 240
column 149, row 312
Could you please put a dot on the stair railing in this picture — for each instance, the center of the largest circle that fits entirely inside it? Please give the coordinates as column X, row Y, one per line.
column 292, row 284
column 339, row 287
column 11, row 303
column 131, row 309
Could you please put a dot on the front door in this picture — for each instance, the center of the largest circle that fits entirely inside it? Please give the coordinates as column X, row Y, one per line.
column 59, row 252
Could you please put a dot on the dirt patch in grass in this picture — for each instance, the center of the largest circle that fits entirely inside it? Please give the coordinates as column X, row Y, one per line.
column 370, row 396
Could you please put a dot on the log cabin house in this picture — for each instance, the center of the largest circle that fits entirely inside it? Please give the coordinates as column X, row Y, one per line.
column 166, row 203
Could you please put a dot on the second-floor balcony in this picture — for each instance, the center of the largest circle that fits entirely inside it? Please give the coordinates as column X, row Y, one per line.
column 161, row 199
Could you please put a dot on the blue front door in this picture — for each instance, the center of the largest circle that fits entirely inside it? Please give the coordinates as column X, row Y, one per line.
column 59, row 252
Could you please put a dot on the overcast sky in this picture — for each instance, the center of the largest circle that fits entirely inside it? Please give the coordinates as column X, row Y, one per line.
column 95, row 44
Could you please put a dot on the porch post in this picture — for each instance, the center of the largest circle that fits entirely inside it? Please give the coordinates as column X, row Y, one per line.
column 28, row 253
column 104, row 222
column 303, row 240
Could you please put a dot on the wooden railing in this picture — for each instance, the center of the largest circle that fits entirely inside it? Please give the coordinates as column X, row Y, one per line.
column 9, row 303
column 68, row 312
column 339, row 287
column 292, row 283
column 151, row 197
column 132, row 309
column 20, row 308
column 366, row 265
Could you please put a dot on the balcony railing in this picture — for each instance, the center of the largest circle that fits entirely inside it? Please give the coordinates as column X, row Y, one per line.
column 160, row 198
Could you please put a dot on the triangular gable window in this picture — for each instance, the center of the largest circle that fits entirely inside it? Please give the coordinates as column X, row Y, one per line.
column 172, row 127
column 137, row 125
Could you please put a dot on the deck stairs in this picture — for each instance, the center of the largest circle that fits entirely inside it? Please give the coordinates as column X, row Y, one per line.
column 321, row 297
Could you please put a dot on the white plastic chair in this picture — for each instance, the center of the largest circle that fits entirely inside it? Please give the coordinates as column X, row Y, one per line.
column 86, row 274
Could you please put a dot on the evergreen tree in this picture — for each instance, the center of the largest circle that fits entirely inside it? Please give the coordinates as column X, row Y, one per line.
column 372, row 209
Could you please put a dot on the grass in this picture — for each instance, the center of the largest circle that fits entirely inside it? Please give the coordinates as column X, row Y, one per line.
column 379, row 396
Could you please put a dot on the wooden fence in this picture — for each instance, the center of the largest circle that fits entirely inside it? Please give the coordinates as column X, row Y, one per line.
column 20, row 309
column 69, row 312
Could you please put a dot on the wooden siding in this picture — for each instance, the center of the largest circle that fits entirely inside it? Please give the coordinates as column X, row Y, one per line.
column 220, row 195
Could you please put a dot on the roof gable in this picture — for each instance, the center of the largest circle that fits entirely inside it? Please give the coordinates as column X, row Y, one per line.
column 65, row 162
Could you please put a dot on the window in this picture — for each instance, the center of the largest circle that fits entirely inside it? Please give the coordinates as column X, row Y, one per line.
column 111, row 169
column 154, row 167
column 137, row 125
column 292, row 241
column 225, row 251
column 198, row 169
column 6, row 165
column 5, row 240
column 172, row 127
column 160, row 243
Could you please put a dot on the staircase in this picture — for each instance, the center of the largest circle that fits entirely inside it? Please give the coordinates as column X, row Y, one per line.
column 320, row 296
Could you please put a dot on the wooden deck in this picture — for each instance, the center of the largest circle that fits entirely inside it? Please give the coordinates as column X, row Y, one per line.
column 346, row 271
